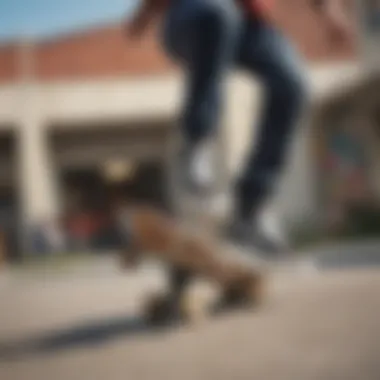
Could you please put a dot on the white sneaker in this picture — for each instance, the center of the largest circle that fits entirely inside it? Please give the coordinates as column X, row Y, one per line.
column 243, row 234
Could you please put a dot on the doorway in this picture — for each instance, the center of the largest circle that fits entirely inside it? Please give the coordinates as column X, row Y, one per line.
column 90, row 194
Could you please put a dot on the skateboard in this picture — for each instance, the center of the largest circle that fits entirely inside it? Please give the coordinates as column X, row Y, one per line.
column 189, row 254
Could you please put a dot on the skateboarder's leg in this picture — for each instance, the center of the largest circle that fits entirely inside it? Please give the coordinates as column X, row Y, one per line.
column 202, row 34
column 266, row 53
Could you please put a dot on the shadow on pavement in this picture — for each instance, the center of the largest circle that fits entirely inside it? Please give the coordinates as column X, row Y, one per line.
column 85, row 335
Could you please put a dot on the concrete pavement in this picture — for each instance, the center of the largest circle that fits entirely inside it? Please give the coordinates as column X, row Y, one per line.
column 324, row 326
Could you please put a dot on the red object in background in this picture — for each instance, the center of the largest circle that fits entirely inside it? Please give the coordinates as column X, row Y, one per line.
column 258, row 8
column 85, row 225
column 79, row 226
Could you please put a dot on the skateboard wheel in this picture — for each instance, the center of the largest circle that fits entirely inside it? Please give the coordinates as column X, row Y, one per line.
column 193, row 308
column 159, row 309
column 247, row 293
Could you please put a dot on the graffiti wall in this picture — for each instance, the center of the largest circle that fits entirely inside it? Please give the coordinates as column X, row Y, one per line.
column 345, row 170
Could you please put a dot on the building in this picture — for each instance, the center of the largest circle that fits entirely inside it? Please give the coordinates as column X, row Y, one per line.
column 81, row 103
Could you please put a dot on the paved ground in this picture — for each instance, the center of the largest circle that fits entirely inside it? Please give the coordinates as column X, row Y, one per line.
column 354, row 255
column 85, row 325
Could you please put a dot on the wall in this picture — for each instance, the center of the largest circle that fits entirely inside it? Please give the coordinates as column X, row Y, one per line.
column 66, row 104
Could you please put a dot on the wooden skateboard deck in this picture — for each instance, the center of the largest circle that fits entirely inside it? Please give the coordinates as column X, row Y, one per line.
column 154, row 233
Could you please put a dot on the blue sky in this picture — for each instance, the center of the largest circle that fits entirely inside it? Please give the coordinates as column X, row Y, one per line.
column 43, row 18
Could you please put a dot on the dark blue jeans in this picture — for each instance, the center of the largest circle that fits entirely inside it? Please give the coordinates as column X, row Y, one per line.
column 211, row 37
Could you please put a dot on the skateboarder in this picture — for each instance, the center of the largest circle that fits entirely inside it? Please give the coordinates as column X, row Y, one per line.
column 210, row 37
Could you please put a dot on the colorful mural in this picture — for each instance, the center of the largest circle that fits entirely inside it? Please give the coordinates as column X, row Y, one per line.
column 345, row 172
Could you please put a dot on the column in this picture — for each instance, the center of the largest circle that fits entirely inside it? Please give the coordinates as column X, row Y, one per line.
column 37, row 184
column 37, row 177
column 38, row 195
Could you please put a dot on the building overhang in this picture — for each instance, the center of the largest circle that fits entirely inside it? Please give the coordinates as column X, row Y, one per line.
column 73, row 102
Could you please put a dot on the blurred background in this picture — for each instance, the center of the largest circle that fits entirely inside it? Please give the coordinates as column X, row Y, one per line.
column 87, row 117
column 87, row 120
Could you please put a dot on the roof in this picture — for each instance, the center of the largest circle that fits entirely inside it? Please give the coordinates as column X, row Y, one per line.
column 105, row 52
